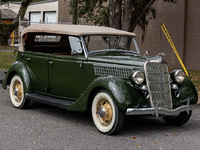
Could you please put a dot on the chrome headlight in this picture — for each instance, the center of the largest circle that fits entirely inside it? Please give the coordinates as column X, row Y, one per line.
column 138, row 77
column 179, row 76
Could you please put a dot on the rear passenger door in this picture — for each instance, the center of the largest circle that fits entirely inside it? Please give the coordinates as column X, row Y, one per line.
column 37, row 63
column 38, row 47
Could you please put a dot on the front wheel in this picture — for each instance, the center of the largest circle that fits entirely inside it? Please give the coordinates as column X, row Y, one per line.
column 17, row 94
column 178, row 120
column 107, row 117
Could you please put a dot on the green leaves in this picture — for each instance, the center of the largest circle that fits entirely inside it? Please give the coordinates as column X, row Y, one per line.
column 91, row 10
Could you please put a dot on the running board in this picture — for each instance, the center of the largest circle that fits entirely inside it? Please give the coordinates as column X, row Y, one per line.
column 62, row 103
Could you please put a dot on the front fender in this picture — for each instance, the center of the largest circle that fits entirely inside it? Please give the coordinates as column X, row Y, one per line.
column 122, row 92
column 19, row 68
column 187, row 92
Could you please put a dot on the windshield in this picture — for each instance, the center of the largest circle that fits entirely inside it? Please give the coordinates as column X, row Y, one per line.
column 108, row 43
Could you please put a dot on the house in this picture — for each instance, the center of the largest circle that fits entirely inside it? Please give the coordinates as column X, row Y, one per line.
column 51, row 11
column 7, row 15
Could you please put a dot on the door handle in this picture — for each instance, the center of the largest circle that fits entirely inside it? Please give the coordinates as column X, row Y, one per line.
column 50, row 62
column 28, row 59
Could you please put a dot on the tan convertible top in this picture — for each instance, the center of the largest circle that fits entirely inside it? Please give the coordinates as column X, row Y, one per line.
column 75, row 30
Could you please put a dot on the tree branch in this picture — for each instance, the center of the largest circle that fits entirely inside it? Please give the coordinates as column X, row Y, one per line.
column 140, row 15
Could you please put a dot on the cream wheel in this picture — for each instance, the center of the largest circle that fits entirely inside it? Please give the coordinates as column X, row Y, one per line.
column 17, row 92
column 107, row 117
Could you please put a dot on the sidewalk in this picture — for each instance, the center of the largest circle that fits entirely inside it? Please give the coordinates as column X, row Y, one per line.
column 6, row 51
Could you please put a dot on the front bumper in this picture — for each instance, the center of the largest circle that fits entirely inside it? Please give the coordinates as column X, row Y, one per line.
column 157, row 111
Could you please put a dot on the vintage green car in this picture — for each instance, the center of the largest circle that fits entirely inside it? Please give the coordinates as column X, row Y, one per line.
column 81, row 68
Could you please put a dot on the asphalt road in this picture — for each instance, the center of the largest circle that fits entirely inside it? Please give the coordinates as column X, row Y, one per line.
column 47, row 128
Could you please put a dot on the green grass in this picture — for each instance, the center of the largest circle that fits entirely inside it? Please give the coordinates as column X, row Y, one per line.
column 7, row 47
column 6, row 59
column 194, row 76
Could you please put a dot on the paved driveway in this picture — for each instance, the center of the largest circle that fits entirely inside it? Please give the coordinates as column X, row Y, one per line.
column 48, row 128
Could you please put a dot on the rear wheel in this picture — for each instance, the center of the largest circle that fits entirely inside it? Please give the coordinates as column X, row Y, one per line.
column 107, row 117
column 178, row 120
column 17, row 94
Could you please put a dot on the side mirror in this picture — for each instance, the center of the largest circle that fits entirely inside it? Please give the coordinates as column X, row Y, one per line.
column 75, row 44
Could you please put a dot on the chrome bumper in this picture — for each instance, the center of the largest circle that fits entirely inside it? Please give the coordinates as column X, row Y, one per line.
column 161, row 111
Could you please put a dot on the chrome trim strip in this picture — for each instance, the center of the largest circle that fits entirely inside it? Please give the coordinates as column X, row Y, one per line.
column 161, row 111
column 136, row 46
column 84, row 47
column 145, row 70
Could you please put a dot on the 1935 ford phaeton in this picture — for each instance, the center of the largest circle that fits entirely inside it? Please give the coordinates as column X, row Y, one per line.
column 80, row 67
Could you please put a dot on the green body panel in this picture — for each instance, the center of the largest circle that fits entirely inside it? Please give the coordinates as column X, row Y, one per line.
column 38, row 64
column 67, row 76
column 74, row 78
column 21, row 69
column 122, row 92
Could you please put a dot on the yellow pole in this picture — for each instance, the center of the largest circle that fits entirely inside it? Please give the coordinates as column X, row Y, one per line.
column 13, row 37
column 173, row 47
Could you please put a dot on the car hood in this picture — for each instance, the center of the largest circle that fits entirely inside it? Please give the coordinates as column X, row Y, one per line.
column 123, row 59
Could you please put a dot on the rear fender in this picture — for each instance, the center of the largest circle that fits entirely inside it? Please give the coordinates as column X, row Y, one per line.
column 21, row 69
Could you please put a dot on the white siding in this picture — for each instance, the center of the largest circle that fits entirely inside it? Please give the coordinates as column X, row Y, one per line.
column 43, row 7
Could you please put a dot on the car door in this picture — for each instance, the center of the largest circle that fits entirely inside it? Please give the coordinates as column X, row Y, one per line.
column 67, row 76
column 38, row 65
column 68, row 73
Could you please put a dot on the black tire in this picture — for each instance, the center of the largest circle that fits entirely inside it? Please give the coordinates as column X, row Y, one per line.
column 107, row 117
column 178, row 120
column 17, row 94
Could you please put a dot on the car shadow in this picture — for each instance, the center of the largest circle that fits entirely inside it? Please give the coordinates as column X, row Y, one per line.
column 133, row 125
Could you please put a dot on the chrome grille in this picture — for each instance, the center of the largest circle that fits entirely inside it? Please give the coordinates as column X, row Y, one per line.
column 115, row 71
column 158, row 83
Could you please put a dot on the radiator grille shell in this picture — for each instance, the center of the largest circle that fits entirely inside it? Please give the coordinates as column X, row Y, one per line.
column 158, row 83
column 115, row 71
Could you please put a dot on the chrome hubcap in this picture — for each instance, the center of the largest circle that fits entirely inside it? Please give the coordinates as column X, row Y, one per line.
column 17, row 91
column 104, row 112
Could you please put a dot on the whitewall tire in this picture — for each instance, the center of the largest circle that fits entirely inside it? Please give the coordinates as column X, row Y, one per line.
column 107, row 117
column 17, row 94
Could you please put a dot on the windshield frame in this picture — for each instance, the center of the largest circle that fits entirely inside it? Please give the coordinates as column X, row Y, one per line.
column 87, row 53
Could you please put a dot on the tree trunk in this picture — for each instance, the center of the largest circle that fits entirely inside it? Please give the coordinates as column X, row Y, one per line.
column 133, row 13
column 0, row 17
column 5, row 34
column 115, row 13
column 74, row 17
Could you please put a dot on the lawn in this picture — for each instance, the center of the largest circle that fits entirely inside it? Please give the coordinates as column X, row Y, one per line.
column 7, row 47
column 194, row 76
column 6, row 59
